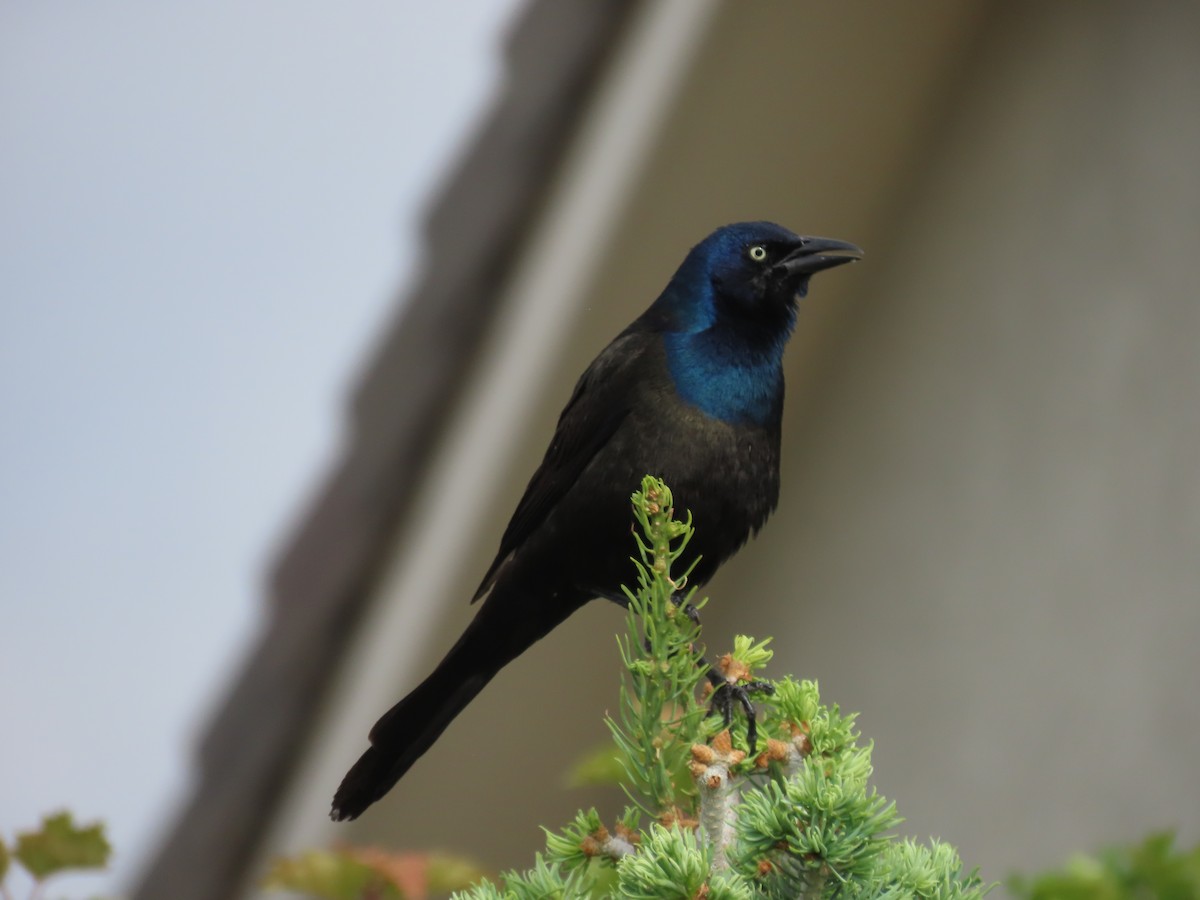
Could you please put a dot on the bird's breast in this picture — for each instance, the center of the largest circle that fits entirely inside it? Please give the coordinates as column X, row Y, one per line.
column 725, row 474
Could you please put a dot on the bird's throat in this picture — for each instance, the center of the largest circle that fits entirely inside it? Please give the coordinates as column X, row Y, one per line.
column 735, row 384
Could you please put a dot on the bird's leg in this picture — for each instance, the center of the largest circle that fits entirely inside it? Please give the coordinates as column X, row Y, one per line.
column 727, row 693
column 689, row 610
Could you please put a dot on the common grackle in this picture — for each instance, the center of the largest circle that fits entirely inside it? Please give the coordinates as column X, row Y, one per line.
column 692, row 392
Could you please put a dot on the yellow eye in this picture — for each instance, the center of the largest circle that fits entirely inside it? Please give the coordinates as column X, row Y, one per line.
column 757, row 252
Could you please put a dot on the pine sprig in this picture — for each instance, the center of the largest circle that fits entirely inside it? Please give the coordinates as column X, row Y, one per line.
column 906, row 870
column 823, row 823
column 822, row 730
column 659, row 716
column 587, row 839
column 673, row 863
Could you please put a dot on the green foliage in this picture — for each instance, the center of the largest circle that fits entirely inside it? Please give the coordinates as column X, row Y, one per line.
column 58, row 846
column 1153, row 869
column 587, row 839
column 445, row 873
column 350, row 873
column 330, row 875
column 906, row 870
column 823, row 823
column 604, row 765
column 671, row 863
column 826, row 731
column 543, row 882
column 753, row 654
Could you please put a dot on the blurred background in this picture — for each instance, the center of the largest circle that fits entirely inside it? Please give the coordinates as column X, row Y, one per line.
column 243, row 478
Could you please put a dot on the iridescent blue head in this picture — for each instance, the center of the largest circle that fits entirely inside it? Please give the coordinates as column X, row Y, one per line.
column 728, row 312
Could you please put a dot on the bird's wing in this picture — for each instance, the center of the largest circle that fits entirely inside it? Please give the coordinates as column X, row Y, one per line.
column 598, row 405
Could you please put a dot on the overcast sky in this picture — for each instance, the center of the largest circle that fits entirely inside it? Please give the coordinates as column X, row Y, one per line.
column 206, row 213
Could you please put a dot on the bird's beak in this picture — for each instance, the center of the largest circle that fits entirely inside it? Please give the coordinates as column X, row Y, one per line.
column 816, row 254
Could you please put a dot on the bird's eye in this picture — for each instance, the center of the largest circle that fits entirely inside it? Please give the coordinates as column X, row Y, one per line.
column 757, row 252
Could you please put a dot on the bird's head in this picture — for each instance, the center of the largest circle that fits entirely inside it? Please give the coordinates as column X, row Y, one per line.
column 752, row 272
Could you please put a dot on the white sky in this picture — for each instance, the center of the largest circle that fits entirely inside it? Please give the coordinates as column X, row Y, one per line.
column 206, row 211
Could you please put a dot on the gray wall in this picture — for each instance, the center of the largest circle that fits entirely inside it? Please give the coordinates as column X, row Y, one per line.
column 990, row 531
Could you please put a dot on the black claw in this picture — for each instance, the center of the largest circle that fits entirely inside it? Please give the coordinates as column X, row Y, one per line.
column 726, row 695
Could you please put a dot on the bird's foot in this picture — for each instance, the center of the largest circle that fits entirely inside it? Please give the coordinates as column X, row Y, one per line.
column 729, row 691
column 729, row 694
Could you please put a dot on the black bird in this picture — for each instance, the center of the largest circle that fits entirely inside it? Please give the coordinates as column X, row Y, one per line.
column 691, row 392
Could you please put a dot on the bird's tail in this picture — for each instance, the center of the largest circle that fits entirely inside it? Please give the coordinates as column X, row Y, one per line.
column 500, row 632
column 404, row 733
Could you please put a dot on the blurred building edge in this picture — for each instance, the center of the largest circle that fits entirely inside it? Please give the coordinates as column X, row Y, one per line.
column 986, row 540
column 324, row 578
